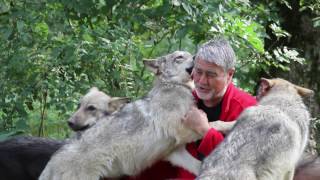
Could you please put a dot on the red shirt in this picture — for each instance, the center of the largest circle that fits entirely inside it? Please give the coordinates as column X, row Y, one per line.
column 233, row 103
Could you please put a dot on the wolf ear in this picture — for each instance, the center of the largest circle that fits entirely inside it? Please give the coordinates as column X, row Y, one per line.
column 117, row 102
column 267, row 82
column 264, row 87
column 93, row 89
column 152, row 64
column 304, row 92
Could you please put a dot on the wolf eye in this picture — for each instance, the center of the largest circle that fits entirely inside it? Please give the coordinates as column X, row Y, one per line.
column 91, row 108
column 179, row 57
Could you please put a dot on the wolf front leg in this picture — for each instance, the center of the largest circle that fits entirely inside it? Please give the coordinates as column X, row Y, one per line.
column 289, row 175
column 222, row 126
column 182, row 158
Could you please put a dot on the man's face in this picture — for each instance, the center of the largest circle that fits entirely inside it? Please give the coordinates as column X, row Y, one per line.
column 210, row 80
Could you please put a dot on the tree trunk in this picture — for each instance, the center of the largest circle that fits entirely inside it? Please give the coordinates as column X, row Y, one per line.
column 306, row 39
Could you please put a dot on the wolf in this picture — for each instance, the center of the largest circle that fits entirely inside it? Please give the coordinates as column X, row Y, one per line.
column 136, row 136
column 92, row 107
column 267, row 140
column 24, row 157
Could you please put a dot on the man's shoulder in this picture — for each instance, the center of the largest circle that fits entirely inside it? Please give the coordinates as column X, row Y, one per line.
column 241, row 98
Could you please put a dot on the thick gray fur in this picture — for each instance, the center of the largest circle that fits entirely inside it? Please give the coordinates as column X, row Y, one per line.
column 266, row 142
column 137, row 135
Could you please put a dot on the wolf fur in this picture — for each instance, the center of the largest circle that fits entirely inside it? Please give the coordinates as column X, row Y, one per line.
column 25, row 157
column 136, row 136
column 267, row 140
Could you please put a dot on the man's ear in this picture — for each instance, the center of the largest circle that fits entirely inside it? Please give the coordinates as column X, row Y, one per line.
column 230, row 73
column 152, row 65
column 116, row 103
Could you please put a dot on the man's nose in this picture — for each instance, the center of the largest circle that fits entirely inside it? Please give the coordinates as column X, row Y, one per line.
column 203, row 79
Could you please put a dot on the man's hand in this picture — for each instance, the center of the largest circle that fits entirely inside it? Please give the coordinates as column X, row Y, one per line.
column 197, row 120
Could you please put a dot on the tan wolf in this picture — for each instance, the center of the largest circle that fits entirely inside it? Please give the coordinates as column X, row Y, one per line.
column 136, row 136
column 267, row 140
column 92, row 107
column 24, row 157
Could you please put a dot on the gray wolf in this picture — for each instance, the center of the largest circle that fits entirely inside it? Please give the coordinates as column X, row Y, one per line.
column 139, row 134
column 25, row 157
column 267, row 140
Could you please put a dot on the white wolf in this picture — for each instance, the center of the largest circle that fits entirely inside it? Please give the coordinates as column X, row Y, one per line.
column 24, row 157
column 92, row 107
column 137, row 135
column 267, row 140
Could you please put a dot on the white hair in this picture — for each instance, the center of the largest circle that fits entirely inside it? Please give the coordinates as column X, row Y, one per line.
column 219, row 52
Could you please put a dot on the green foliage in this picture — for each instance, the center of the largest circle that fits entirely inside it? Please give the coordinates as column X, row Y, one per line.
column 53, row 51
column 314, row 7
column 48, row 59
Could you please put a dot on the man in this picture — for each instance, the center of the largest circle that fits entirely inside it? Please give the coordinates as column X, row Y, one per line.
column 217, row 99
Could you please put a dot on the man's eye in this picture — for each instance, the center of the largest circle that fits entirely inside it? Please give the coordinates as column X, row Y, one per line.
column 211, row 75
column 91, row 108
column 198, row 71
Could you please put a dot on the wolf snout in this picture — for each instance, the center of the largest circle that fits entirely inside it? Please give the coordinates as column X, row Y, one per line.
column 189, row 69
column 72, row 125
column 77, row 127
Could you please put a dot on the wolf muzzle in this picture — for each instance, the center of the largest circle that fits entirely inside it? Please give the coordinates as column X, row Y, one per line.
column 189, row 69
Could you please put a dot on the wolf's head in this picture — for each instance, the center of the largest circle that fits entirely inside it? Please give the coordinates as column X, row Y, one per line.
column 267, row 84
column 93, row 106
column 174, row 67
